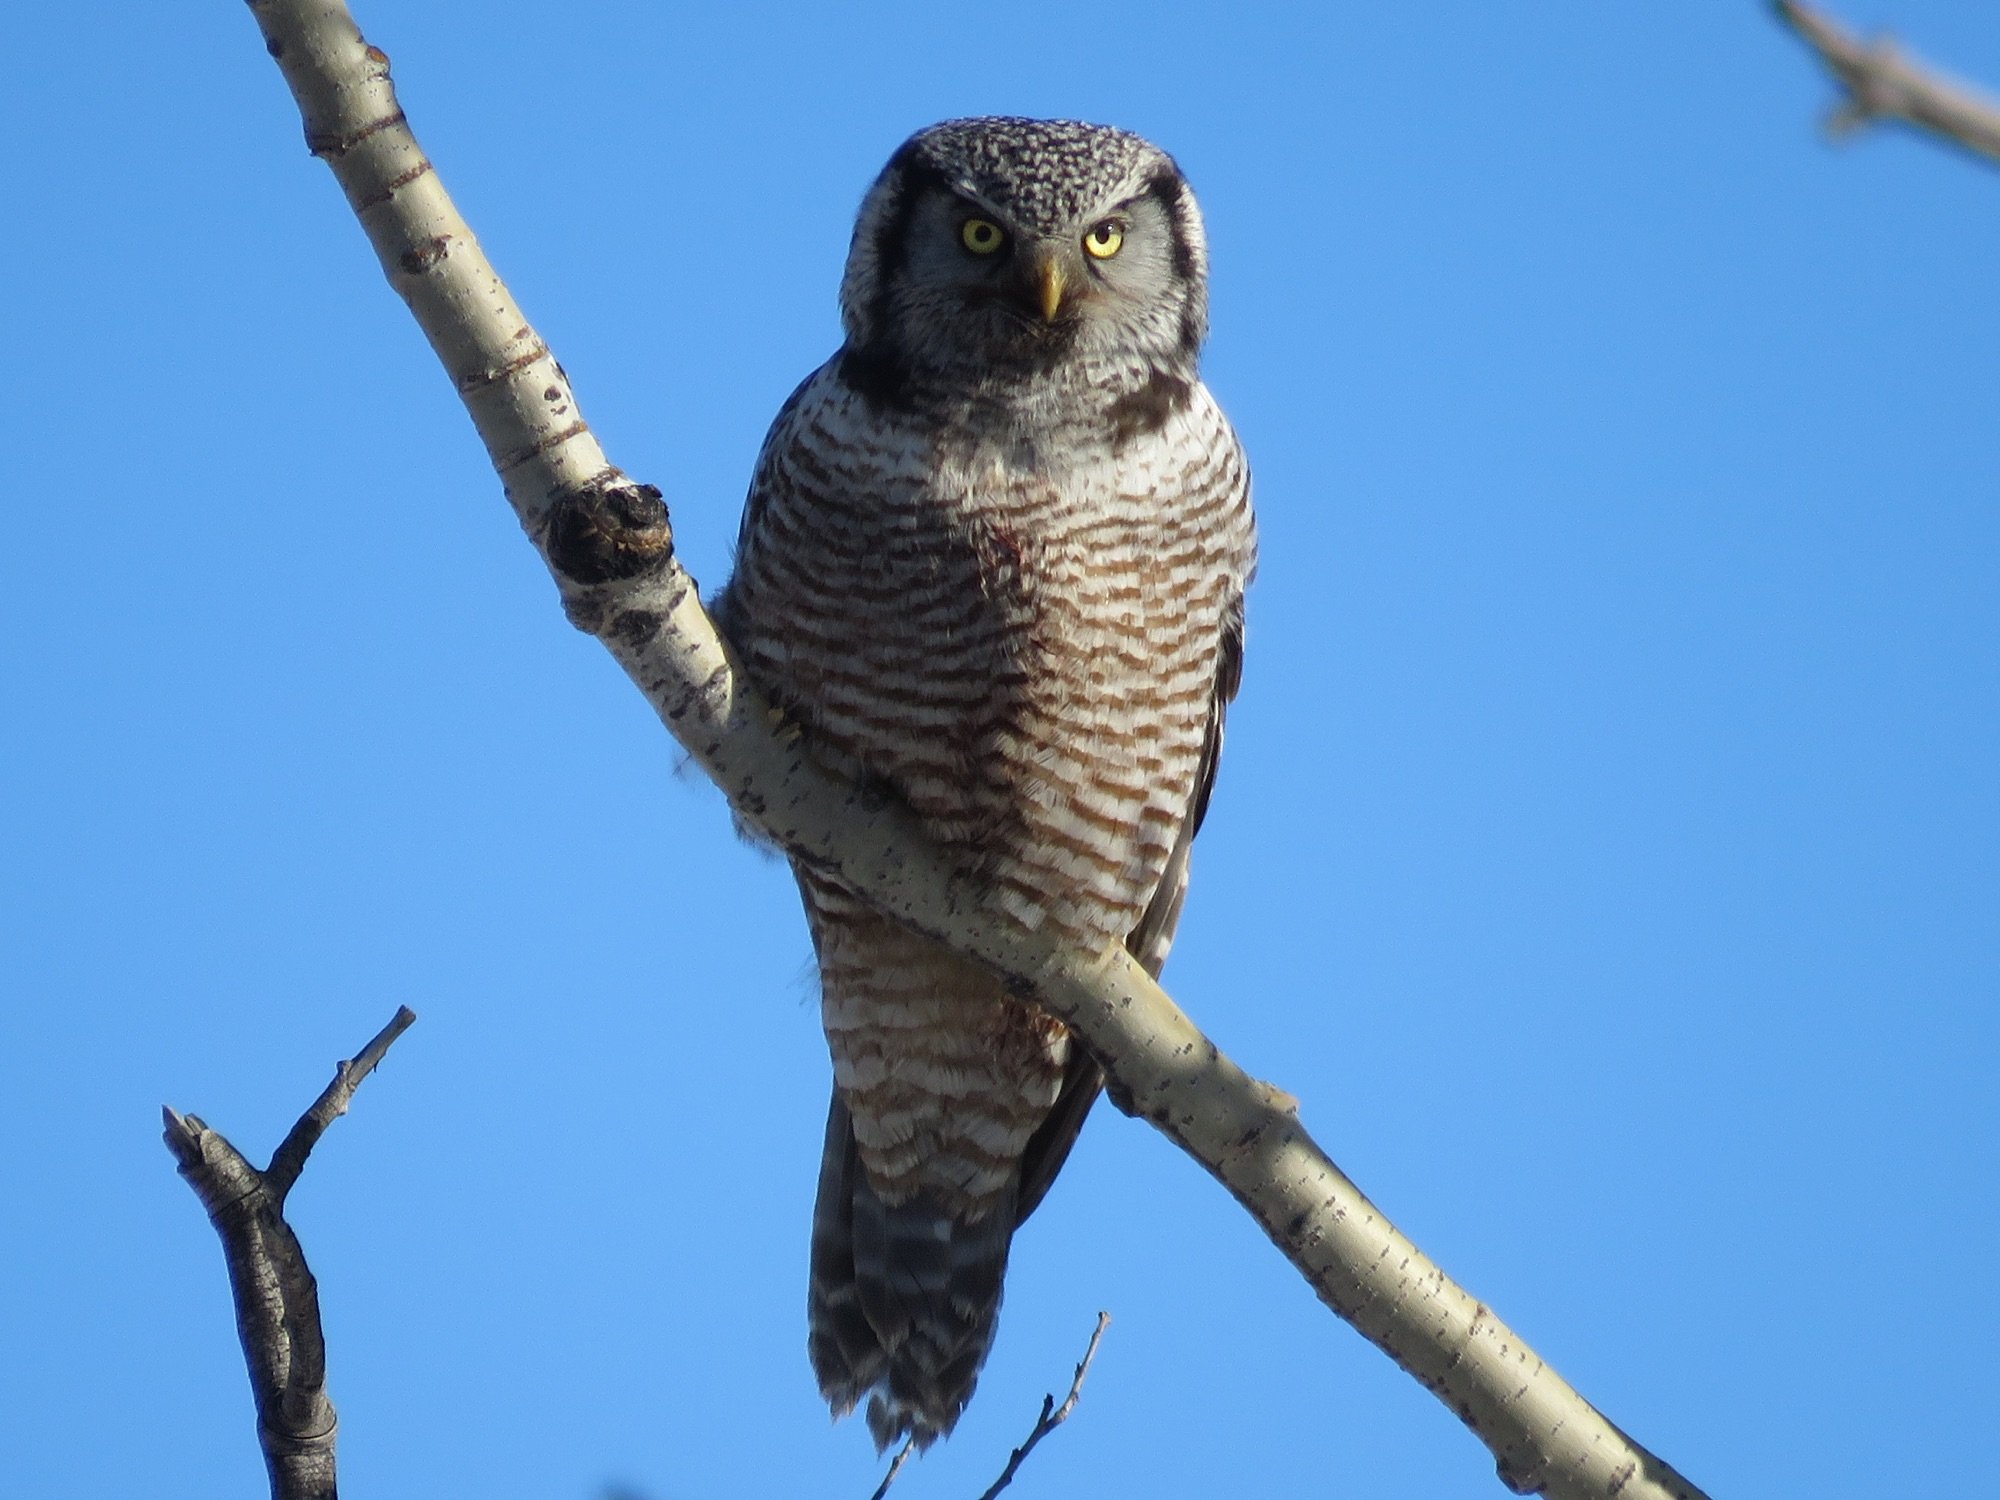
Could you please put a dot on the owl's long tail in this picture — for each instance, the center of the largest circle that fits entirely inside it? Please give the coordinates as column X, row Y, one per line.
column 903, row 1297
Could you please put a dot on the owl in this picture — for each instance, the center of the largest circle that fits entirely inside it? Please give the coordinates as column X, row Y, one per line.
column 992, row 563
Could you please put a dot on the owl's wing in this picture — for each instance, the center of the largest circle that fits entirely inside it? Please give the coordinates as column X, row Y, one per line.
column 1048, row 1148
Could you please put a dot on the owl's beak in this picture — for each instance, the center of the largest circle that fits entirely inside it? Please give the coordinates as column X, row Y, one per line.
column 1051, row 287
column 1040, row 281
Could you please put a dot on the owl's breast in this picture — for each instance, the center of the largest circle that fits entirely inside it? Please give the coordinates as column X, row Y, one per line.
column 1021, row 642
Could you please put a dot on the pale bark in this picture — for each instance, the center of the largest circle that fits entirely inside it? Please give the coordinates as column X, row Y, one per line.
column 1881, row 82
column 609, row 545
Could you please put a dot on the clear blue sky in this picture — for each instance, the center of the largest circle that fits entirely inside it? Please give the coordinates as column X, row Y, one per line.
column 1605, row 852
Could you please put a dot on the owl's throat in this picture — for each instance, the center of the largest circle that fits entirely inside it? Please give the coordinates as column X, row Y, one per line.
column 1010, row 368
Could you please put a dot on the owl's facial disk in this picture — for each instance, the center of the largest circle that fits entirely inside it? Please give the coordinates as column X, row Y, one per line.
column 1015, row 285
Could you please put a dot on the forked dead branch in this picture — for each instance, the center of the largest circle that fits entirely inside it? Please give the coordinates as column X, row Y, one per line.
column 277, row 1300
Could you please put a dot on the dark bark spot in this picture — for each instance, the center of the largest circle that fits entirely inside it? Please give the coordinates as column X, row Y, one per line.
column 872, row 793
column 1523, row 1478
column 586, row 615
column 637, row 627
column 421, row 258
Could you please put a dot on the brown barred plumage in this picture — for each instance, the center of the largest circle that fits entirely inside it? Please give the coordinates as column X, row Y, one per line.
column 993, row 559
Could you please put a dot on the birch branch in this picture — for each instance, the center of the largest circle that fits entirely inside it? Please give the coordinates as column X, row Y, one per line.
column 277, row 1300
column 608, row 543
column 1880, row 82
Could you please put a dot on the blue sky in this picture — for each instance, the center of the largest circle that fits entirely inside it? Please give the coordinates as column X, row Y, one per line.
column 1604, row 853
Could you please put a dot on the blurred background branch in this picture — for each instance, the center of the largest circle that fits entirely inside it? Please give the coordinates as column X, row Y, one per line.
column 1882, row 82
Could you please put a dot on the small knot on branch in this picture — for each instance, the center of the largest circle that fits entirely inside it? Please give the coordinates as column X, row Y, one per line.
column 610, row 531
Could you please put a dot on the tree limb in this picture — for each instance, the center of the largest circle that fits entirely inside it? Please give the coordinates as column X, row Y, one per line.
column 609, row 544
column 1880, row 82
column 895, row 1467
column 1052, row 1416
column 277, row 1300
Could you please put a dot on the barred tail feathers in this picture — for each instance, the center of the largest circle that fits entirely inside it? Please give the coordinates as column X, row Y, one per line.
column 903, row 1297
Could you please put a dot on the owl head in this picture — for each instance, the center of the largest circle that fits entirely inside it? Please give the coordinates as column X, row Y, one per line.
column 1000, row 246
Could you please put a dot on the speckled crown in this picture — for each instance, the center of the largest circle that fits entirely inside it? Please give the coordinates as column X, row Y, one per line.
column 1046, row 173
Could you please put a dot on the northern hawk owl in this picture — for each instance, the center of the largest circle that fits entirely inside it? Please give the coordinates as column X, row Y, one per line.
column 993, row 561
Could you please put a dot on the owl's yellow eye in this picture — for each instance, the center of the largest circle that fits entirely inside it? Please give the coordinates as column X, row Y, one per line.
column 1104, row 241
column 981, row 236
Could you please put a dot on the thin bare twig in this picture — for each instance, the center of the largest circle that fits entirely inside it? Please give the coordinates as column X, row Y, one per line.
column 895, row 1467
column 1052, row 1416
column 290, row 1157
column 1881, row 82
column 277, row 1300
